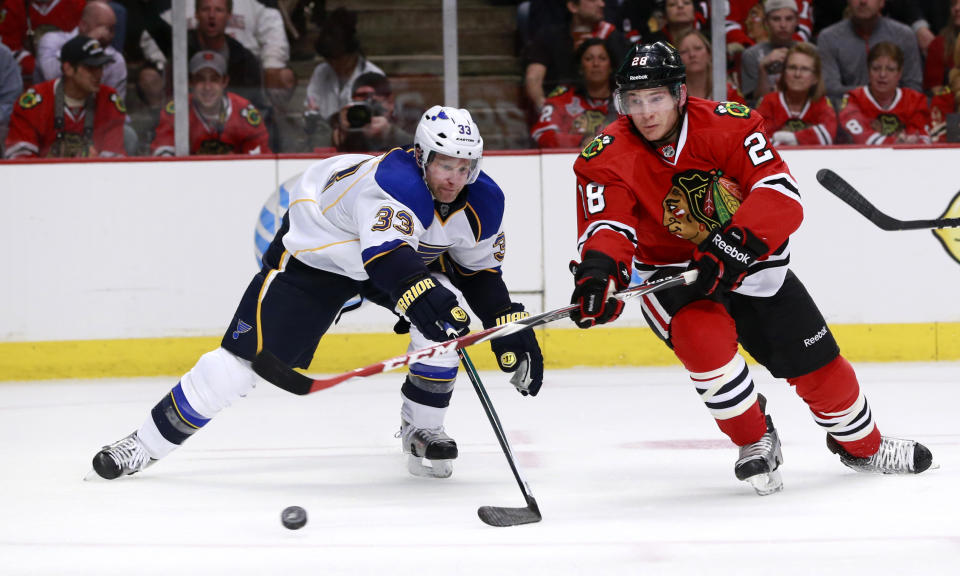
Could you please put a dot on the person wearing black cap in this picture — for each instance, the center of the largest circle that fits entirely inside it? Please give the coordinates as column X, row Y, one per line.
column 71, row 116
column 221, row 122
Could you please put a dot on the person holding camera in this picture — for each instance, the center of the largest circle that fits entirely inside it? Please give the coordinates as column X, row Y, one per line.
column 367, row 123
column 332, row 81
column 762, row 64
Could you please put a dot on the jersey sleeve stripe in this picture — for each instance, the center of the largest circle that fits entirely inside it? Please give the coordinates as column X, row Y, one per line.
column 628, row 232
column 782, row 183
column 374, row 252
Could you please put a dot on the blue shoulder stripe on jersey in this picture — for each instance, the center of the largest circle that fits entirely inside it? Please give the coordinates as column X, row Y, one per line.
column 400, row 176
column 485, row 199
column 375, row 252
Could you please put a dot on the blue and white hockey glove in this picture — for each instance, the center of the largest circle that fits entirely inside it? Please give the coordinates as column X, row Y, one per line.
column 519, row 353
column 723, row 259
column 431, row 307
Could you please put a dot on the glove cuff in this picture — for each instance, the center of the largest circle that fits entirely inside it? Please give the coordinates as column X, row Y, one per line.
column 596, row 264
column 515, row 312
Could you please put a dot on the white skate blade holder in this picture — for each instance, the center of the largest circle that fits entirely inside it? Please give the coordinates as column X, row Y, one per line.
column 436, row 469
column 766, row 484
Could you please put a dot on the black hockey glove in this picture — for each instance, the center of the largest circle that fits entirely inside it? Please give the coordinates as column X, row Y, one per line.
column 723, row 259
column 597, row 278
column 519, row 353
column 431, row 308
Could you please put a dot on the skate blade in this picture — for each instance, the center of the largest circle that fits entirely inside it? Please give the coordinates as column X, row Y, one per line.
column 437, row 468
column 766, row 484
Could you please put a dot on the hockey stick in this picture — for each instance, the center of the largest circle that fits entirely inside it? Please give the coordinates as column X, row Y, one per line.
column 273, row 370
column 498, row 515
column 844, row 191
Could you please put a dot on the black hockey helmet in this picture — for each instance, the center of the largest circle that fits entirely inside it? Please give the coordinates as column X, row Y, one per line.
column 651, row 66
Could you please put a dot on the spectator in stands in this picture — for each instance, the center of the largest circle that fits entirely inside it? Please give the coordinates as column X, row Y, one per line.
column 799, row 112
column 11, row 85
column 841, row 47
column 681, row 18
column 639, row 19
column 72, row 116
column 368, row 123
column 762, row 63
column 96, row 21
column 220, row 122
column 882, row 112
column 696, row 53
column 550, row 60
column 331, row 85
column 48, row 15
column 13, row 34
column 259, row 27
column 738, row 23
column 212, row 17
column 573, row 115
column 940, row 55
column 916, row 15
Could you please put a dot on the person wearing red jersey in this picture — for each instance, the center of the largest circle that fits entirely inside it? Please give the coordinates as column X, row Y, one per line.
column 71, row 116
column 881, row 112
column 572, row 116
column 799, row 112
column 221, row 122
column 679, row 182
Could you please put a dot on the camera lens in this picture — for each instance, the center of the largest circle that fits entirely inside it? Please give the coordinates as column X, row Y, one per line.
column 359, row 115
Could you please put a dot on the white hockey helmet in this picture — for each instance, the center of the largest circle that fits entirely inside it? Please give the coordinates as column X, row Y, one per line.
column 451, row 132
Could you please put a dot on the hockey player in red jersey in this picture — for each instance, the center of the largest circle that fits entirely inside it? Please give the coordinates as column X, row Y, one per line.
column 881, row 112
column 678, row 183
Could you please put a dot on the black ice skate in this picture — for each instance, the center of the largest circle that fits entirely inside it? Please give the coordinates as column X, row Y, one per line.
column 428, row 446
column 895, row 456
column 759, row 462
column 123, row 457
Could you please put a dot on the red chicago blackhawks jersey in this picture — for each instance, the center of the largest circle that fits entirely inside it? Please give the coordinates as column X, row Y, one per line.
column 240, row 130
column 13, row 23
column 60, row 14
column 33, row 132
column 656, row 205
column 869, row 123
column 567, row 117
column 815, row 124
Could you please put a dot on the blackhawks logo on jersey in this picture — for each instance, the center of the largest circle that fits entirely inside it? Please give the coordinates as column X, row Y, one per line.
column 252, row 115
column 596, row 146
column 699, row 202
column 118, row 102
column 794, row 125
column 735, row 109
column 888, row 124
column 29, row 99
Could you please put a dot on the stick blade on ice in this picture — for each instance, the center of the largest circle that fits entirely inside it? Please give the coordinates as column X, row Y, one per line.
column 502, row 517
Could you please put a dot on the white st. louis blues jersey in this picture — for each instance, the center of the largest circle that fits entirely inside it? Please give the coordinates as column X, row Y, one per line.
column 348, row 210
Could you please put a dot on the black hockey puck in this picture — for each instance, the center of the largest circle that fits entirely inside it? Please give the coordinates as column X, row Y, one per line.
column 293, row 517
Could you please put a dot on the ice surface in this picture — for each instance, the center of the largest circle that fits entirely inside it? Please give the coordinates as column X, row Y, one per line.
column 630, row 472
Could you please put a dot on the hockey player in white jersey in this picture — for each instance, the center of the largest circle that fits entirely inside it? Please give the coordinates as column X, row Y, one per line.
column 417, row 231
